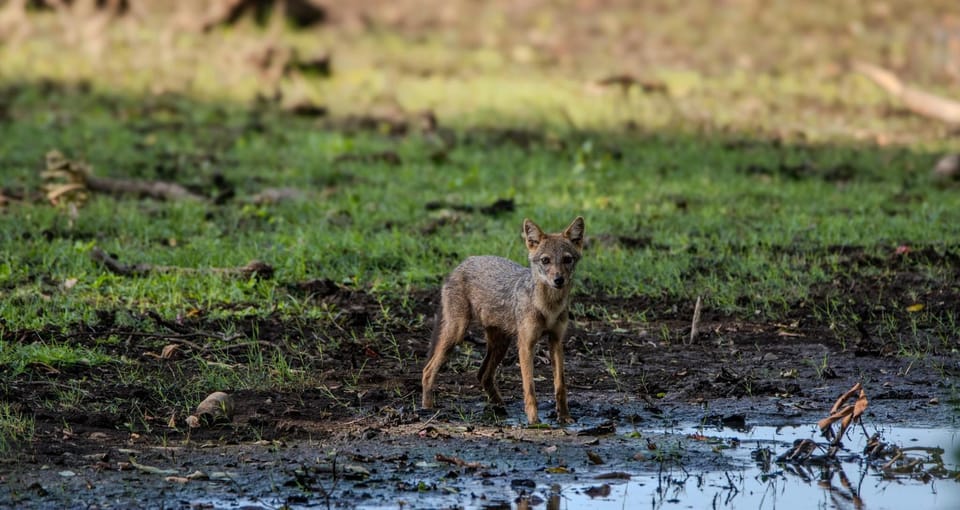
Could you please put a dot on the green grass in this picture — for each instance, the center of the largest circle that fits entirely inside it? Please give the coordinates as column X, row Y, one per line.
column 15, row 358
column 15, row 428
column 721, row 222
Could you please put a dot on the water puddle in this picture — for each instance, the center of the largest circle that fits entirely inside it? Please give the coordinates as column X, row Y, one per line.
column 853, row 482
column 756, row 481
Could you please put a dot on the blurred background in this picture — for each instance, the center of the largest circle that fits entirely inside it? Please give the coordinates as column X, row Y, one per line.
column 784, row 69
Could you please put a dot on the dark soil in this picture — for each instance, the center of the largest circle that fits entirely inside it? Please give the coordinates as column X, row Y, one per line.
column 353, row 430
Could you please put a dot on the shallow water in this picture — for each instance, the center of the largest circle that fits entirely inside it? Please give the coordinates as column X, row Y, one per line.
column 852, row 484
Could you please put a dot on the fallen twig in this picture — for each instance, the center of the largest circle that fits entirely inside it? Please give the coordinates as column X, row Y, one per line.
column 253, row 268
column 457, row 461
column 151, row 469
column 160, row 190
column 918, row 101
column 695, row 323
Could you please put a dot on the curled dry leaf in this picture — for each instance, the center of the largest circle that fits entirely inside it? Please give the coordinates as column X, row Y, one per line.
column 169, row 351
column 844, row 414
column 843, row 398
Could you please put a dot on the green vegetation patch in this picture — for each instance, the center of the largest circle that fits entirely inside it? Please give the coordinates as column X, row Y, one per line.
column 48, row 356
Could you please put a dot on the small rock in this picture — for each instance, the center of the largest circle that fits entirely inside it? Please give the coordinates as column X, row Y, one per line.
column 948, row 168
column 217, row 407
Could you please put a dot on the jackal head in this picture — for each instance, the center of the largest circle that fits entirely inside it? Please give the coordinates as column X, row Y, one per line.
column 553, row 257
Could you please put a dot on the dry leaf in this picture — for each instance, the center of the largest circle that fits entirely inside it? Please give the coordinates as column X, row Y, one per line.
column 843, row 398
column 916, row 307
column 833, row 418
column 598, row 492
column 595, row 458
column 169, row 351
column 861, row 405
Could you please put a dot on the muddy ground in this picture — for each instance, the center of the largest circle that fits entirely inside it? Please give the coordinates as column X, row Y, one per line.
column 354, row 435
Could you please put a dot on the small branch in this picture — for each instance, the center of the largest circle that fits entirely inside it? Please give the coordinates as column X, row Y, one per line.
column 695, row 324
column 253, row 268
column 116, row 267
column 918, row 101
column 159, row 190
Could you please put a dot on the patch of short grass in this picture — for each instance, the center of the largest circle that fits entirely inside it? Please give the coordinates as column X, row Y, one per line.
column 738, row 227
column 15, row 428
column 16, row 357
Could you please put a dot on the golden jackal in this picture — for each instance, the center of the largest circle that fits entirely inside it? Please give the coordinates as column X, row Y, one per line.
column 510, row 300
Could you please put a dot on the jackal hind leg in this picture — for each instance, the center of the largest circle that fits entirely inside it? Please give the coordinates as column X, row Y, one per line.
column 449, row 333
column 497, row 344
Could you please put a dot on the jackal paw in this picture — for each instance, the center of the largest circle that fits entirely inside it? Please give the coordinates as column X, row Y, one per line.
column 497, row 408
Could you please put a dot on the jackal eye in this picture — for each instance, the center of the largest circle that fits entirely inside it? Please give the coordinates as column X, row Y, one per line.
column 545, row 261
column 568, row 259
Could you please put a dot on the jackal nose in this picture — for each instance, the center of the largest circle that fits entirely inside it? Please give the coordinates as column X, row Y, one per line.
column 558, row 281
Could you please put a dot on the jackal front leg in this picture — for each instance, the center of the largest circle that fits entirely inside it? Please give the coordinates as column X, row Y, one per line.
column 526, row 342
column 555, row 339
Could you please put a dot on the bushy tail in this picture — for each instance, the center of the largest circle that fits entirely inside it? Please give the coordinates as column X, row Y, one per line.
column 435, row 336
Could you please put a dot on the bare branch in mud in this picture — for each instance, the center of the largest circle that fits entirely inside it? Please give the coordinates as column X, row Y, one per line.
column 253, row 268
column 918, row 101
column 695, row 323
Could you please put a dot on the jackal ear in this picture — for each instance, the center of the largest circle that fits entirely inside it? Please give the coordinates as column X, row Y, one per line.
column 532, row 235
column 575, row 232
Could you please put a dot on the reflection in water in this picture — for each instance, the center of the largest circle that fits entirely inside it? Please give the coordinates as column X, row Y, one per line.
column 875, row 473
